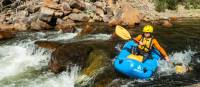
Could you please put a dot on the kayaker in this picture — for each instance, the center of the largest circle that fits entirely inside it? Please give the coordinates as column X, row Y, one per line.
column 147, row 42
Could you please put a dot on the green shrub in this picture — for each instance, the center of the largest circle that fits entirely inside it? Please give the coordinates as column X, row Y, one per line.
column 161, row 5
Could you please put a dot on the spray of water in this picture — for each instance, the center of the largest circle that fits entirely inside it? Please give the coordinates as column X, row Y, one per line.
column 183, row 58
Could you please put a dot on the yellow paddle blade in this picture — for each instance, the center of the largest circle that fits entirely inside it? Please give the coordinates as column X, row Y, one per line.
column 122, row 32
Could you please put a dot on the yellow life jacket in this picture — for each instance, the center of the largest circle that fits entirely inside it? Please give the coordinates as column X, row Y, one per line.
column 147, row 44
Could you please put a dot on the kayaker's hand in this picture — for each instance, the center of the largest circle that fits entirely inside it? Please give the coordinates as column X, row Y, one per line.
column 167, row 59
column 140, row 43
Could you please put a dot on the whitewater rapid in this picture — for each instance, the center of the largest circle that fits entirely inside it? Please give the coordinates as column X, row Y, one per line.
column 23, row 64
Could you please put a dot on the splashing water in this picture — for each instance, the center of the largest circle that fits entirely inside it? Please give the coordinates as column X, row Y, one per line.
column 183, row 58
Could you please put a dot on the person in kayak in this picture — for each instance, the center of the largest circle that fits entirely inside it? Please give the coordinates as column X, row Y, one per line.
column 147, row 42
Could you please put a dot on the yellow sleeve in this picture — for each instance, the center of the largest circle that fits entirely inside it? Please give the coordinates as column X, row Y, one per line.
column 157, row 46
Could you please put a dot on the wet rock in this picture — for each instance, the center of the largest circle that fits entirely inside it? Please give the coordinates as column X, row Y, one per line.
column 77, row 53
column 65, row 25
column 79, row 17
column 48, row 44
column 6, row 35
column 167, row 24
column 88, row 28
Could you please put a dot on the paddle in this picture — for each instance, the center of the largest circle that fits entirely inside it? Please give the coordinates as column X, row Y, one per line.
column 124, row 34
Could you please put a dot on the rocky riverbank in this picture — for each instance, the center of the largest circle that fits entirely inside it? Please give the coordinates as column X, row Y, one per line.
column 63, row 15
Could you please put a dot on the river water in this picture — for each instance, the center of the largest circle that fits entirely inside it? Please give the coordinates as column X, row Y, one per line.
column 23, row 64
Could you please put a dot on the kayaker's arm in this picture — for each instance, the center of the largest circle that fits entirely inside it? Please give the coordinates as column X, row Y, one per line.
column 162, row 51
column 137, row 39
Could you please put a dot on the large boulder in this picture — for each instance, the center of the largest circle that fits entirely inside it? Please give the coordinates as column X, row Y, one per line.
column 77, row 53
column 126, row 15
column 130, row 15
column 79, row 16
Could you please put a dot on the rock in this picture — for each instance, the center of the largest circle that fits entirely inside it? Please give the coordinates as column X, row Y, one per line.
column 6, row 35
column 97, row 18
column 173, row 18
column 33, row 9
column 99, row 4
column 114, row 21
column 46, row 14
column 40, row 25
column 100, row 12
column 52, row 4
column 88, row 28
column 48, row 44
column 6, row 2
column 77, row 4
column 79, row 17
column 130, row 15
column 58, row 14
column 66, row 6
column 110, row 3
column 20, row 26
column 76, row 11
column 35, row 25
column 167, row 24
column 65, row 13
column 77, row 53
column 6, row 27
column 106, row 18
column 2, row 18
column 65, row 26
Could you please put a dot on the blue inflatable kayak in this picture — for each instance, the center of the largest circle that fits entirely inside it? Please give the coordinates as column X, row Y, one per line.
column 133, row 67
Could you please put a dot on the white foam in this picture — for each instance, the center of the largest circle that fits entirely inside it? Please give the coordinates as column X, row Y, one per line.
column 15, row 59
column 98, row 37
column 183, row 57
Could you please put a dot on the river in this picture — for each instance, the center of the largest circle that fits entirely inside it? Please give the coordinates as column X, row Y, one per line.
column 23, row 64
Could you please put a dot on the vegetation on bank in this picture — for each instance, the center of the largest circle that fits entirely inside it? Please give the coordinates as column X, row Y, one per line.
column 161, row 5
